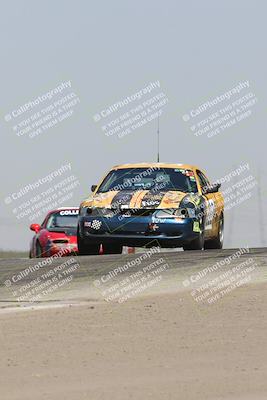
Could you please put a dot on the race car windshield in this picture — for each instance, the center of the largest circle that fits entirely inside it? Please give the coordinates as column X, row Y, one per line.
column 57, row 221
column 150, row 179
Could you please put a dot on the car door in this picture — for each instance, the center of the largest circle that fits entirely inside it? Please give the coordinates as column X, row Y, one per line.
column 40, row 237
column 211, row 202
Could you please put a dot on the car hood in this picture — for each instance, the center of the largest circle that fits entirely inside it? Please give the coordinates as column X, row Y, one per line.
column 137, row 199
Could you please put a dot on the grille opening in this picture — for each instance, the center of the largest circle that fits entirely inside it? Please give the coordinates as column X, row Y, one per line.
column 137, row 212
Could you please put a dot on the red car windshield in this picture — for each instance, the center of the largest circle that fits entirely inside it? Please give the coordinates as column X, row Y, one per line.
column 63, row 219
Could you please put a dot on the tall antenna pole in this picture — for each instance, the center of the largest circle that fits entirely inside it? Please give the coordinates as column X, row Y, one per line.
column 158, row 139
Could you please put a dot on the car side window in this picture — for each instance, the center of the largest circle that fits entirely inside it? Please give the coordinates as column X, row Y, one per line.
column 203, row 180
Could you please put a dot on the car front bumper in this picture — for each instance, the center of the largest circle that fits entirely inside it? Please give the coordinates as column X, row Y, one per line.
column 64, row 251
column 137, row 231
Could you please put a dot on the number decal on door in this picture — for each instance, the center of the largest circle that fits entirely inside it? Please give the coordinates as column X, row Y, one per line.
column 210, row 213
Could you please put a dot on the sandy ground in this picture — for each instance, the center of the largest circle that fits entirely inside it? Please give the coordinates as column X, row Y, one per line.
column 161, row 344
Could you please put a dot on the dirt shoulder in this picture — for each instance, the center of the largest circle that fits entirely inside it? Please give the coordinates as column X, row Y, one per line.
column 160, row 346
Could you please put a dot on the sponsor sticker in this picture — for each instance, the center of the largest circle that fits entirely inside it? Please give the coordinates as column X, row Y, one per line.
column 149, row 203
column 196, row 227
column 95, row 224
column 69, row 212
column 211, row 211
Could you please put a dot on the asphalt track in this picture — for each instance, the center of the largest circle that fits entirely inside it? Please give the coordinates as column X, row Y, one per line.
column 91, row 269
column 86, row 340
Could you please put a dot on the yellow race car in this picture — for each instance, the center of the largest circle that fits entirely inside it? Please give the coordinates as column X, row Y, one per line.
column 150, row 204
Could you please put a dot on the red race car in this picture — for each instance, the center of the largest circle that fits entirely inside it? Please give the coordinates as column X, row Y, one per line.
column 57, row 234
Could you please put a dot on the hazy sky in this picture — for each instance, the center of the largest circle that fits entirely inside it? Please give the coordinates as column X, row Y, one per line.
column 109, row 50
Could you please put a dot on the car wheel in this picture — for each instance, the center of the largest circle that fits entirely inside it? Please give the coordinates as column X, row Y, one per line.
column 217, row 242
column 196, row 244
column 38, row 250
column 111, row 249
column 86, row 249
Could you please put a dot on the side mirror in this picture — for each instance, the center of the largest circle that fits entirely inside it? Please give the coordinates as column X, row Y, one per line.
column 213, row 188
column 35, row 227
column 93, row 188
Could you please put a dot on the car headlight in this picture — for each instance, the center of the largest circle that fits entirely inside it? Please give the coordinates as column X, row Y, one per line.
column 96, row 212
column 173, row 213
column 85, row 211
column 191, row 212
column 104, row 212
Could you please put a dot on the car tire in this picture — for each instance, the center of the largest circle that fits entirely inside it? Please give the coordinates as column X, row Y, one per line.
column 111, row 249
column 86, row 249
column 196, row 244
column 217, row 242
